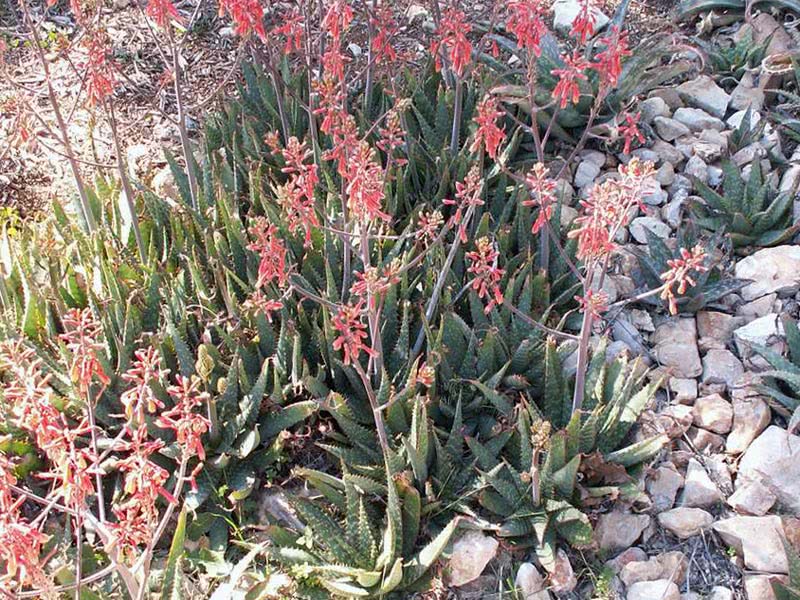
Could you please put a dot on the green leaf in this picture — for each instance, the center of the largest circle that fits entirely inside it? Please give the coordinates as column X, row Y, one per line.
column 426, row 557
column 173, row 574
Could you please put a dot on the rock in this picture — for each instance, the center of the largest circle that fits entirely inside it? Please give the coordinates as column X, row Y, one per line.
column 668, row 95
column 663, row 589
column 652, row 108
column 667, row 152
column 774, row 459
column 676, row 347
column 586, row 173
column 618, row 530
column 705, row 441
column 415, row 10
column 697, row 119
column 568, row 215
column 657, row 196
column 735, row 120
column 759, row 587
column 752, row 498
column 698, row 489
column 721, row 366
column 615, row 565
column 713, row 413
column 759, row 307
column 670, row 565
column 685, row 522
column 703, row 92
column 715, row 329
column 746, row 94
column 530, row 583
column 274, row 508
column 164, row 185
column 672, row 212
column 663, row 485
column 751, row 416
column 757, row 539
column 566, row 11
column 471, row 553
column 140, row 160
column 715, row 176
column 764, row 27
column 642, row 320
column 758, row 332
column 639, row 226
column 697, row 168
column 720, row 593
column 665, row 174
column 748, row 154
column 562, row 579
column 718, row 469
column 670, row 129
column 684, row 390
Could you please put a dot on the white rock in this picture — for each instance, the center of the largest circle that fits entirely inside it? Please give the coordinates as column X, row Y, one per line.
column 676, row 347
column 697, row 168
column 751, row 416
column 703, row 92
column 685, row 522
column 670, row 129
column 772, row 270
column 759, row 587
column 471, row 553
column 697, row 119
column 758, row 539
column 652, row 108
column 665, row 174
column 586, row 173
column 415, row 10
column 667, row 152
column 720, row 593
column 639, row 226
column 618, row 530
column 721, row 366
column 684, row 390
column 752, row 498
column 735, row 120
column 663, row 485
column 774, row 459
column 669, row 565
column 714, row 413
column 758, row 332
column 662, row 589
column 698, row 490
column 530, row 583
column 164, row 185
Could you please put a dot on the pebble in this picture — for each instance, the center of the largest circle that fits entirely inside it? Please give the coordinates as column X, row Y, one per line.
column 669, row 129
column 685, row 522
column 713, row 413
column 703, row 92
column 698, row 490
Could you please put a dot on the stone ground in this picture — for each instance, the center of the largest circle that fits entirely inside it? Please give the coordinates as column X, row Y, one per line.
column 715, row 506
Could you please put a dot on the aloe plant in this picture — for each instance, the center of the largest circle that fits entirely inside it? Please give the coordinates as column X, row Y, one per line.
column 782, row 383
column 688, row 9
column 751, row 213
column 710, row 285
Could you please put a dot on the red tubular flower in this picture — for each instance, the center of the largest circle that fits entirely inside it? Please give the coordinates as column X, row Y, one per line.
column 542, row 191
column 364, row 178
column 583, row 25
column 630, row 131
column 337, row 19
column 257, row 302
column 144, row 370
column 453, row 40
column 679, row 274
column 392, row 136
column 489, row 134
column 272, row 252
column 82, row 339
column 608, row 62
column 296, row 196
column 373, row 284
column 567, row 89
column 352, row 332
column 595, row 302
column 468, row 193
column 428, row 226
column 385, row 29
column 526, row 21
column 99, row 68
column 487, row 274
column 247, row 16
column 292, row 31
column 162, row 12
column 188, row 425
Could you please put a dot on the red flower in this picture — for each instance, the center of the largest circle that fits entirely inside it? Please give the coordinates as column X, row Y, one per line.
column 487, row 274
column 608, row 62
column 99, row 68
column 385, row 29
column 392, row 136
column 630, row 131
column 489, row 134
column 373, row 284
column 337, row 19
column 453, row 31
column 596, row 302
column 428, row 226
column 567, row 89
column 272, row 253
column 144, row 370
column 162, row 12
column 468, row 193
column 258, row 302
column 188, row 425
column 583, row 25
column 679, row 274
column 291, row 31
column 525, row 21
column 542, row 190
column 247, row 16
column 352, row 332
column 365, row 179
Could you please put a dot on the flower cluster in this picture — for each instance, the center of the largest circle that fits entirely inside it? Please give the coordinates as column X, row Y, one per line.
column 374, row 283
column 162, row 12
column 629, row 131
column 385, row 29
column 428, row 226
column 99, row 68
column 584, row 23
column 145, row 369
column 453, row 40
column 271, row 251
column 291, row 31
column 247, row 16
column 679, row 274
column 348, row 322
column 488, row 135
column 608, row 62
column 468, row 195
column 526, row 21
column 365, row 181
column 188, row 425
column 81, row 335
column 487, row 275
column 542, row 192
column 568, row 89
column 595, row 302
column 296, row 196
